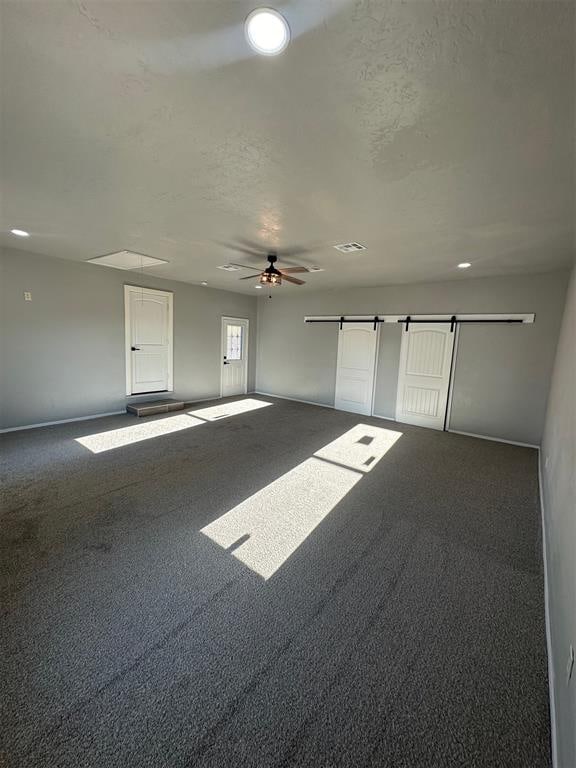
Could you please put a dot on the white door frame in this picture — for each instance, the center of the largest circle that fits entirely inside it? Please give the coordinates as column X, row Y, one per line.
column 376, row 361
column 128, row 289
column 451, row 381
column 245, row 349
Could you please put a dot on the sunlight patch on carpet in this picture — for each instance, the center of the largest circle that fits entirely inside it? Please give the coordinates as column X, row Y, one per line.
column 265, row 529
column 223, row 410
column 135, row 433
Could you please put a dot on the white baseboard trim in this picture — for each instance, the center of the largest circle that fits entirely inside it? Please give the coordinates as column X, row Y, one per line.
column 321, row 405
column 389, row 418
column 494, row 439
column 386, row 418
column 551, row 679
column 187, row 403
column 61, row 421
column 295, row 399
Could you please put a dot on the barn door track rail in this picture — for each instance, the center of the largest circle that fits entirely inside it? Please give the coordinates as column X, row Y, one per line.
column 407, row 320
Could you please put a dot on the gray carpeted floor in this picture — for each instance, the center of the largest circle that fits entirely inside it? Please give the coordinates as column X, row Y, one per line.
column 406, row 629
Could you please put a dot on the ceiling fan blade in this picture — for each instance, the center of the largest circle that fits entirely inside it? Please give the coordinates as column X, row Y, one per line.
column 298, row 250
column 291, row 270
column 246, row 266
column 250, row 277
column 294, row 280
column 239, row 248
column 253, row 248
column 232, row 245
column 249, row 246
column 248, row 251
column 245, row 241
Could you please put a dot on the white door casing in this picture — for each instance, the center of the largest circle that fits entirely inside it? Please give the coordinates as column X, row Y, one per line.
column 149, row 340
column 234, row 357
column 424, row 374
column 355, row 370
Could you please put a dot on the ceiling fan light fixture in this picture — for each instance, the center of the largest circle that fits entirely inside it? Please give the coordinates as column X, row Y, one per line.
column 270, row 278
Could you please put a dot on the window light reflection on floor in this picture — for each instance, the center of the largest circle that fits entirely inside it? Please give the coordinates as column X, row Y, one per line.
column 265, row 529
column 135, row 433
column 233, row 408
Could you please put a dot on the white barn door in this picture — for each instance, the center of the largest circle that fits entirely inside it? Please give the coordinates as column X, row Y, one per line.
column 424, row 374
column 148, row 340
column 355, row 368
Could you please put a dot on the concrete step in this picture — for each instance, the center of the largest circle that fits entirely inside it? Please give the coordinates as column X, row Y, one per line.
column 155, row 406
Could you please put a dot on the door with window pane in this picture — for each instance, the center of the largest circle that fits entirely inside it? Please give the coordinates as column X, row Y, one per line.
column 234, row 356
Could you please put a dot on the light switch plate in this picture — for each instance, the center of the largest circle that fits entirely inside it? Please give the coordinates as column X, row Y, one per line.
column 27, row 296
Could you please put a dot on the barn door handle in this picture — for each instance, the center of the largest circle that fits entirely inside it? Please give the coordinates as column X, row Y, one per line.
column 135, row 349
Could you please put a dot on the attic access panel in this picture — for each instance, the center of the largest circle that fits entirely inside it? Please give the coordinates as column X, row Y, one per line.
column 126, row 260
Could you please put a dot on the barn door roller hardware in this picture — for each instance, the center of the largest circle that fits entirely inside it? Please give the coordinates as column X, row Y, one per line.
column 408, row 320
column 341, row 320
column 453, row 320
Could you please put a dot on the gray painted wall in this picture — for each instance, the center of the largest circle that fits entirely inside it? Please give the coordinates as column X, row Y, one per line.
column 558, row 464
column 62, row 354
column 502, row 372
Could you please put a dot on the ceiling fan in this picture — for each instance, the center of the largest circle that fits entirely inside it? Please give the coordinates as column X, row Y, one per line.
column 273, row 276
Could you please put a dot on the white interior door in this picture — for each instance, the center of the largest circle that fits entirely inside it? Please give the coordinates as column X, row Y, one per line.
column 234, row 379
column 148, row 340
column 424, row 374
column 355, row 368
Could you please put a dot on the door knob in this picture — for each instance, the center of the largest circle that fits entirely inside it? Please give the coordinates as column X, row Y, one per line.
column 135, row 349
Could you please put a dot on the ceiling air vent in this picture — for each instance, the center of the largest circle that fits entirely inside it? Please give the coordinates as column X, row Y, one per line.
column 126, row 260
column 349, row 247
column 230, row 268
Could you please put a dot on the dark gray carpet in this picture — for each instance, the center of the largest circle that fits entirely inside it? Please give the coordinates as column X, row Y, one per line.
column 406, row 630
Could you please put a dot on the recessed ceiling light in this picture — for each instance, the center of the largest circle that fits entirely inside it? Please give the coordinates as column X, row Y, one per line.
column 315, row 269
column 20, row 233
column 203, row 282
column 230, row 267
column 258, row 287
column 464, row 265
column 267, row 31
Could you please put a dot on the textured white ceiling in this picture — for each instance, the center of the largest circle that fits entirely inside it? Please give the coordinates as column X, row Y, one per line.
column 431, row 132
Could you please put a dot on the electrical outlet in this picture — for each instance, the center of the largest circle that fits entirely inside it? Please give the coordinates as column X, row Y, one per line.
column 546, row 462
column 570, row 665
column 27, row 296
